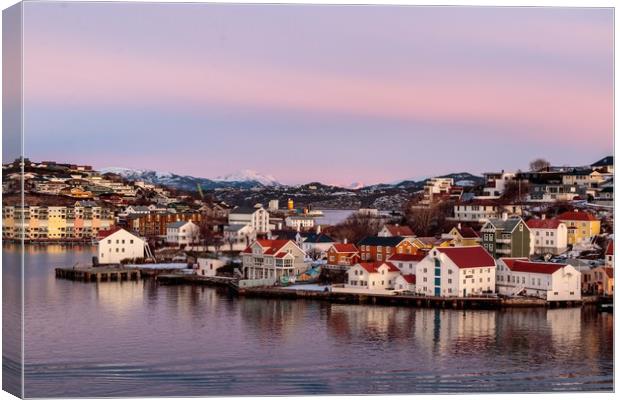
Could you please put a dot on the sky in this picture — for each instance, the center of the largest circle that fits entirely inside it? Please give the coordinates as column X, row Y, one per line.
column 338, row 94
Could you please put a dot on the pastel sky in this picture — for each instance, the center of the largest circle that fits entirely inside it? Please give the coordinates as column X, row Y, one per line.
column 331, row 93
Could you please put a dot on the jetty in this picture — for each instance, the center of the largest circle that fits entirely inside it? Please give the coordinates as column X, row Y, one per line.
column 98, row 274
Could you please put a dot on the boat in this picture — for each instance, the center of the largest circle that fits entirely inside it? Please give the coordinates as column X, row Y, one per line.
column 605, row 307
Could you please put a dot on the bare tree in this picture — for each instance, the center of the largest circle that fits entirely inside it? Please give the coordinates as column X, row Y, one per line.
column 539, row 164
column 516, row 191
column 429, row 220
column 356, row 227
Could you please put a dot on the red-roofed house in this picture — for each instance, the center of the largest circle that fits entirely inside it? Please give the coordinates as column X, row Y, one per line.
column 117, row 244
column 462, row 236
column 549, row 281
column 456, row 272
column 407, row 263
column 609, row 254
column 547, row 236
column 395, row 230
column 273, row 259
column 343, row 254
column 405, row 283
column 581, row 225
column 372, row 276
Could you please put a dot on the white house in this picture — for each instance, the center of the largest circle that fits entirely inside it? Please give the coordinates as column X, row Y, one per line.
column 299, row 222
column 118, row 244
column 547, row 236
column 315, row 242
column 406, row 263
column 405, row 283
column 256, row 217
column 265, row 259
column 496, row 183
column 396, row 230
column 209, row 266
column 239, row 236
column 372, row 276
column 549, row 281
column 182, row 233
column 609, row 255
column 456, row 272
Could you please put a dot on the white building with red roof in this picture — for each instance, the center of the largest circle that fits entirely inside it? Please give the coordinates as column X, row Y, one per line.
column 372, row 276
column 405, row 283
column 456, row 272
column 407, row 263
column 273, row 259
column 547, row 236
column 117, row 244
column 549, row 281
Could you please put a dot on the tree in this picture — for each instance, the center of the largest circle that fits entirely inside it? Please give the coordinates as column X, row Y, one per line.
column 539, row 164
column 516, row 191
column 428, row 220
column 356, row 227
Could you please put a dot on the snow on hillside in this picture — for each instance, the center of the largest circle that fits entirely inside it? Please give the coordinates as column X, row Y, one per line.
column 248, row 175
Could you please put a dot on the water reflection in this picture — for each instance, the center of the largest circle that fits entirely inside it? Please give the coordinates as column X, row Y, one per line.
column 142, row 339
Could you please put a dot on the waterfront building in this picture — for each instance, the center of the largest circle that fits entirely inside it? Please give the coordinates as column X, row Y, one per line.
column 182, row 233
column 82, row 220
column 598, row 280
column 506, row 237
column 549, row 281
column 609, row 254
column 372, row 276
column 118, row 244
column 405, row 283
column 548, row 236
column 238, row 236
column 299, row 222
column 209, row 266
column 256, row 217
column 343, row 254
column 407, row 263
column 456, row 272
column 582, row 226
column 273, row 259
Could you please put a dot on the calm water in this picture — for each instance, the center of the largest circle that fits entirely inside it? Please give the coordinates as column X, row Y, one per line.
column 136, row 338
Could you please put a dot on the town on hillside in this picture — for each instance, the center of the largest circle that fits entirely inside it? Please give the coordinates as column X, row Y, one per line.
column 545, row 233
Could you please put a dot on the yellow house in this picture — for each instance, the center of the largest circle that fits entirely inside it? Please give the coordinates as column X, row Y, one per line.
column 462, row 236
column 581, row 225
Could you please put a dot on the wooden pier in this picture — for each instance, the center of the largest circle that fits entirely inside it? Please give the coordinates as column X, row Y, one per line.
column 99, row 274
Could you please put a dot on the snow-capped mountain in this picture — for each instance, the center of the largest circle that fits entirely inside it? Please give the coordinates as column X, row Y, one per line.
column 248, row 175
column 244, row 180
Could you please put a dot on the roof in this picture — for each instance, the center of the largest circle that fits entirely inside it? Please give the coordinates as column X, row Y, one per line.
column 317, row 238
column 610, row 249
column 108, row 232
column 468, row 256
column 177, row 224
column 609, row 272
column 407, row 257
column 372, row 267
column 609, row 160
column 399, row 230
column 140, row 208
column 508, row 224
column 467, row 233
column 345, row 248
column 576, row 216
column 243, row 210
column 430, row 240
column 409, row 278
column 391, row 241
column 270, row 246
column 522, row 265
column 234, row 227
column 551, row 223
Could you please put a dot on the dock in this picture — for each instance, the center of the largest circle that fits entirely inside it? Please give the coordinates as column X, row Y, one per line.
column 180, row 279
column 98, row 274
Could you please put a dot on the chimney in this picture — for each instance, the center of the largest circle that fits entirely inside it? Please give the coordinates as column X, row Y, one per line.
column 346, row 240
column 318, row 229
column 459, row 226
column 504, row 216
column 576, row 210
column 544, row 216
